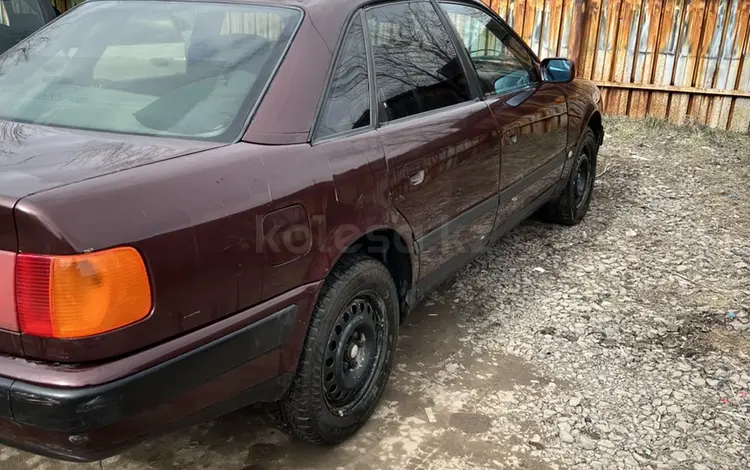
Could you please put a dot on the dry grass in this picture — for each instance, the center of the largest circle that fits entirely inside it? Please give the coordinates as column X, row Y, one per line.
column 730, row 342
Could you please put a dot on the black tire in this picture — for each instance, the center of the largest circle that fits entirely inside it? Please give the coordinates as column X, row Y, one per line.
column 573, row 204
column 359, row 296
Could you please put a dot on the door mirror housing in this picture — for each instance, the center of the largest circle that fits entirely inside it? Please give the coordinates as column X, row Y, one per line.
column 558, row 70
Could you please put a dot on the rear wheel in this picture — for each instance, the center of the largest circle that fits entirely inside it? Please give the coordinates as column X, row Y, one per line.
column 573, row 203
column 347, row 355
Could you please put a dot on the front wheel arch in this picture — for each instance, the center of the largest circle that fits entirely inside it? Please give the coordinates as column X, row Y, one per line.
column 595, row 124
column 564, row 208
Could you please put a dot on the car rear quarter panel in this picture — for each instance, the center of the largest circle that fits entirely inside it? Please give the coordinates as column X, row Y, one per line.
column 7, row 226
column 195, row 220
column 343, row 185
column 363, row 199
column 10, row 340
column 198, row 221
column 347, row 199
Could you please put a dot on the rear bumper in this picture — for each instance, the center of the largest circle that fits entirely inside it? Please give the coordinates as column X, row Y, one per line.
column 76, row 449
column 252, row 364
column 84, row 409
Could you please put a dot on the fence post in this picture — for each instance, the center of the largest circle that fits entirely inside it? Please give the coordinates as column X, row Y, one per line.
column 577, row 30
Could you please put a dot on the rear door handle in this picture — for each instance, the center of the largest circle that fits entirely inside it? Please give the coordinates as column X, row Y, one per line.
column 417, row 178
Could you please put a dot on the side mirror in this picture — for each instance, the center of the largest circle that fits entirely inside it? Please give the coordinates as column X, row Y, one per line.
column 558, row 70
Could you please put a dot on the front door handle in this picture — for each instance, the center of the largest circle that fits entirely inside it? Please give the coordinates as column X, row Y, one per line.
column 417, row 178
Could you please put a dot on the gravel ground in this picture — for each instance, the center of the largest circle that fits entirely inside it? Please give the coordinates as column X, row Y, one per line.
column 639, row 316
column 621, row 343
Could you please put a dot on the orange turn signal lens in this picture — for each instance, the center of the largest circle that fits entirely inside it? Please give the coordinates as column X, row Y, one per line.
column 81, row 295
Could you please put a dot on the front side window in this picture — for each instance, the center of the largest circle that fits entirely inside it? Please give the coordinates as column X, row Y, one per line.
column 416, row 66
column 173, row 69
column 347, row 106
column 502, row 63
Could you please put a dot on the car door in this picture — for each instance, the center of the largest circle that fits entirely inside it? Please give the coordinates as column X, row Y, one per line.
column 441, row 144
column 532, row 116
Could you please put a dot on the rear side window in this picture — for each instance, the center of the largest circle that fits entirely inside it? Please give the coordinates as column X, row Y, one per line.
column 347, row 106
column 416, row 66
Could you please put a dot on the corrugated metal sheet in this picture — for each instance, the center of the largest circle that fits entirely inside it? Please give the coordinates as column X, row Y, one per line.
column 682, row 60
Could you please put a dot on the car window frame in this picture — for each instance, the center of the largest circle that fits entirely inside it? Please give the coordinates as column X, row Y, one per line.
column 465, row 60
column 470, row 74
column 314, row 137
column 482, row 7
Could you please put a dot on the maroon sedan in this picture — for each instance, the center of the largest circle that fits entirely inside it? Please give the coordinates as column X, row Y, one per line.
column 207, row 204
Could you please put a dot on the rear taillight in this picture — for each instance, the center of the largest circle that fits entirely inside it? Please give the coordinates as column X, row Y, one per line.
column 80, row 295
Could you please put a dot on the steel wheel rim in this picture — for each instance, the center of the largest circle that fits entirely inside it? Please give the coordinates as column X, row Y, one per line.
column 354, row 352
column 582, row 186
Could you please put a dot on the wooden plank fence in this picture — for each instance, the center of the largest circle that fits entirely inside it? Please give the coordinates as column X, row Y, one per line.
column 681, row 60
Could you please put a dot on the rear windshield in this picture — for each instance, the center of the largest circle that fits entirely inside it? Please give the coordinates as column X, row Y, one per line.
column 18, row 19
column 177, row 69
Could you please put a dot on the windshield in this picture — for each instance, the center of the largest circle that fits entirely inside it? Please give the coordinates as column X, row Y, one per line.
column 176, row 69
column 18, row 19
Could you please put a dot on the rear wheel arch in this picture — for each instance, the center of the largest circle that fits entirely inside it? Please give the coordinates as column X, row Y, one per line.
column 388, row 244
column 389, row 247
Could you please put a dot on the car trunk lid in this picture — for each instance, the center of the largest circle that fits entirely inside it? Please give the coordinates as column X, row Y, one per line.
column 36, row 158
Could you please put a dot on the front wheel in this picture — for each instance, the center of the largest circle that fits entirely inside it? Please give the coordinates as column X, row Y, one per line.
column 347, row 355
column 573, row 203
